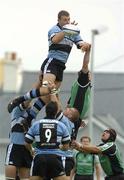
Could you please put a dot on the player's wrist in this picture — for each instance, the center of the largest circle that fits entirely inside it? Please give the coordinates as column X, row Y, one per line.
column 80, row 147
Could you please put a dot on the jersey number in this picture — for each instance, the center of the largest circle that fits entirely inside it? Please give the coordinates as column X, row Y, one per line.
column 48, row 134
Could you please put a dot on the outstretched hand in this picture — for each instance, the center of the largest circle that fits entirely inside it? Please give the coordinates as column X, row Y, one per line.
column 76, row 145
column 84, row 123
column 85, row 46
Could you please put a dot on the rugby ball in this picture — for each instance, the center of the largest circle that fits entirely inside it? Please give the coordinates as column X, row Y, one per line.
column 71, row 28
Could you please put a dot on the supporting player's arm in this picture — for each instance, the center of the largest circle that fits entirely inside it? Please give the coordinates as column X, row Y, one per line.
column 88, row 149
column 86, row 60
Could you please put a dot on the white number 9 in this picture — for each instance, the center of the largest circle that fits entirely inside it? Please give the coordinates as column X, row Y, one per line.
column 48, row 134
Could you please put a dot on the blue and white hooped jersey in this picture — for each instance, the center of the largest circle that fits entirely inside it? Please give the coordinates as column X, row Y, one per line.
column 48, row 134
column 61, row 50
column 17, row 132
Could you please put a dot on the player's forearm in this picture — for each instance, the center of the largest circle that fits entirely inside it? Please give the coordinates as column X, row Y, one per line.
column 58, row 37
column 88, row 149
column 29, row 148
column 97, row 176
column 98, row 171
column 54, row 98
column 86, row 61
column 72, row 173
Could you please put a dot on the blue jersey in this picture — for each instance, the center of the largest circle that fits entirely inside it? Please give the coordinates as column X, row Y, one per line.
column 48, row 134
column 61, row 50
column 67, row 122
column 71, row 128
column 17, row 131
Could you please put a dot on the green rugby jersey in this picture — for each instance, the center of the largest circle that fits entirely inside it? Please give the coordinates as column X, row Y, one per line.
column 84, row 163
column 110, row 159
column 80, row 98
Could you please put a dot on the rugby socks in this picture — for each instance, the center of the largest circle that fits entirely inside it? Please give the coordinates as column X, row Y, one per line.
column 37, row 106
column 31, row 94
column 34, row 93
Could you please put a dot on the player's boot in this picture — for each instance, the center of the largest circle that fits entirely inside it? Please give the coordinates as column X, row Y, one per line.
column 15, row 103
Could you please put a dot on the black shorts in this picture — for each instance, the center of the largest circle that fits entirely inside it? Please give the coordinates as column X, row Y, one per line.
column 53, row 66
column 116, row 177
column 18, row 155
column 68, row 164
column 47, row 165
column 84, row 177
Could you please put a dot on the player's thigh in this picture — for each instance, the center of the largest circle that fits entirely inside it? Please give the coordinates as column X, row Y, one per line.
column 24, row 172
column 10, row 171
column 49, row 77
column 38, row 83
column 69, row 165
column 35, row 178
column 63, row 177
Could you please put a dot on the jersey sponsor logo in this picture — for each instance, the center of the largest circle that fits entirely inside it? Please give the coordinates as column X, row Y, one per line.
column 48, row 126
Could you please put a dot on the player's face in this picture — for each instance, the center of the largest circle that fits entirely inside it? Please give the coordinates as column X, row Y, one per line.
column 105, row 135
column 85, row 141
column 64, row 20
column 68, row 112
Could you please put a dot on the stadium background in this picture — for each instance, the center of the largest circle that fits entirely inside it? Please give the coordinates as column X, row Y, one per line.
column 108, row 106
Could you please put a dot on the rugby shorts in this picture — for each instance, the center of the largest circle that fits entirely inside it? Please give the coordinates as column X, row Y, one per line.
column 53, row 66
column 18, row 155
column 47, row 165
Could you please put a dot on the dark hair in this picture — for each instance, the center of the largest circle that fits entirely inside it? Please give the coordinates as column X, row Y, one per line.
column 113, row 134
column 51, row 110
column 85, row 137
column 63, row 13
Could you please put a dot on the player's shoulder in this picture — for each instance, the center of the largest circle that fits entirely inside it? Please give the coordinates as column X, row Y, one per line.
column 106, row 146
column 35, row 123
column 55, row 28
column 61, row 124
